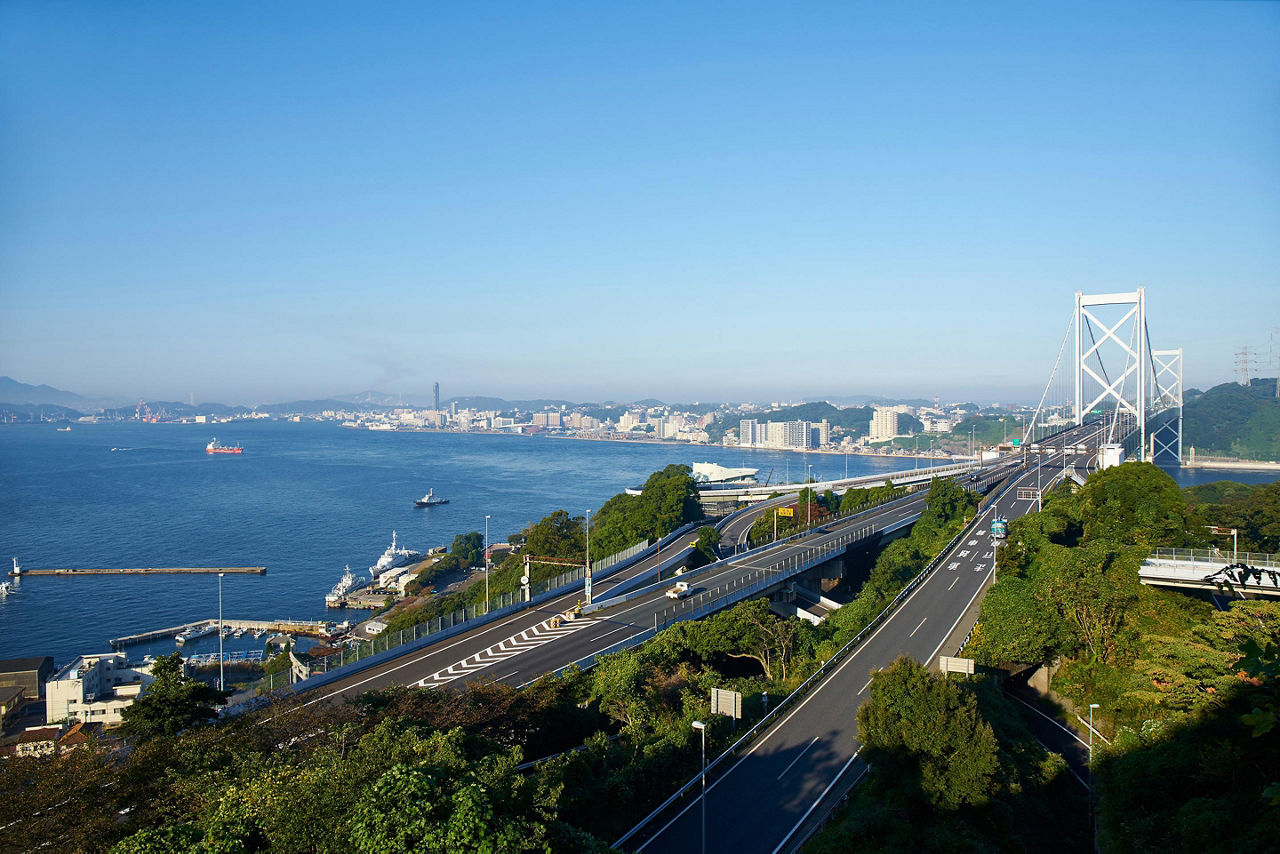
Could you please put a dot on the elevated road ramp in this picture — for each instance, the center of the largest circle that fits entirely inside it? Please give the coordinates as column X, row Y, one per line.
column 1243, row 575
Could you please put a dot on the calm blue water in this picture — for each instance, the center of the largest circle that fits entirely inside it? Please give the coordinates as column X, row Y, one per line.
column 303, row 500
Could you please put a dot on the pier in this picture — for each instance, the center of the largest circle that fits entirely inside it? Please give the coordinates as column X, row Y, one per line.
column 314, row 628
column 150, row 570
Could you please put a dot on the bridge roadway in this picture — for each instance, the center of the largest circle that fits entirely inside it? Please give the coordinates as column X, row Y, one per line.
column 767, row 795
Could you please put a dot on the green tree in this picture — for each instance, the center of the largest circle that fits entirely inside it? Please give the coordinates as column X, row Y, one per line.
column 558, row 535
column 171, row 703
column 926, row 733
column 619, row 683
column 1092, row 589
column 1135, row 504
column 704, row 547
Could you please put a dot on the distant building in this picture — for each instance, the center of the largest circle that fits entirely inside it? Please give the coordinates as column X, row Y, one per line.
column 821, row 434
column 884, row 424
column 95, row 689
column 935, row 425
column 747, row 432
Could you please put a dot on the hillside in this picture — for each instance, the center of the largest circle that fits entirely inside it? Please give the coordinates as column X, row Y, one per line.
column 1234, row 420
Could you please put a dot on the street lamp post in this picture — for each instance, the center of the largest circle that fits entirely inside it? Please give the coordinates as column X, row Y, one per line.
column 702, row 728
column 1039, row 497
column 486, row 564
column 1092, row 706
column 587, row 584
column 221, row 672
column 808, row 505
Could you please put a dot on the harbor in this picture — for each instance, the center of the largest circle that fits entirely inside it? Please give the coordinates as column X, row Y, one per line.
column 149, row 570
column 312, row 628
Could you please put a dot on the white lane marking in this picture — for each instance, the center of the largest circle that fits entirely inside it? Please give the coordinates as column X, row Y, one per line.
column 917, row 628
column 865, row 687
column 814, row 805
column 953, row 582
column 541, row 634
column 614, row 632
column 955, row 564
column 797, row 759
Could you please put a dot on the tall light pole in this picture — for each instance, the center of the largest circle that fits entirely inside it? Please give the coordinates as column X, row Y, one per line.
column 1089, row 776
column 486, row 564
column 221, row 673
column 808, row 505
column 1039, row 497
column 588, row 564
column 702, row 728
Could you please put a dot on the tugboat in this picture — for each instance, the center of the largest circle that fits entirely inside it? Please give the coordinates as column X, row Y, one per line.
column 430, row 500
column 216, row 447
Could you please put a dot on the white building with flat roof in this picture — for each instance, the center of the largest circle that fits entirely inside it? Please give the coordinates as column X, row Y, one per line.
column 884, row 424
column 95, row 689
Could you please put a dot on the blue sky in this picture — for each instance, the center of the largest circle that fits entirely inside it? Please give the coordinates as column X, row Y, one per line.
column 253, row 202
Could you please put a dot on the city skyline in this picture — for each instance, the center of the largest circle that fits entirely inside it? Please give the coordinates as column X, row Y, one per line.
column 251, row 205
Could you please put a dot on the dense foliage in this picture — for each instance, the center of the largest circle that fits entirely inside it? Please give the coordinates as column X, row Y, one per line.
column 1163, row 667
column 954, row 768
column 1253, row 510
column 668, row 500
column 1235, row 420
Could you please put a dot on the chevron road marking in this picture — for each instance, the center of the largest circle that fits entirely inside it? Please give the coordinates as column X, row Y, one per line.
column 530, row 638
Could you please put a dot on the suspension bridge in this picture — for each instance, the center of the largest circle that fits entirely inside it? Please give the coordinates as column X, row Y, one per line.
column 1115, row 379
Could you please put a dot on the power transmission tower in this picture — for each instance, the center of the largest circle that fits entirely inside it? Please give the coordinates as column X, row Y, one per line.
column 1242, row 363
column 1275, row 355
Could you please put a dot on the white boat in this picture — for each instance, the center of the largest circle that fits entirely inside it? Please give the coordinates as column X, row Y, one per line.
column 5, row 589
column 194, row 632
column 394, row 556
column 430, row 500
column 349, row 583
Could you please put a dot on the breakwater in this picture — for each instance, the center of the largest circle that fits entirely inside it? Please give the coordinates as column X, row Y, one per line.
column 149, row 570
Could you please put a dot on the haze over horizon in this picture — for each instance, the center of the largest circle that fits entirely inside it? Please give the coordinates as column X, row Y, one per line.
column 258, row 204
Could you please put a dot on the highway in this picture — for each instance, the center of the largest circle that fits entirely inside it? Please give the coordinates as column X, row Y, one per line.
column 525, row 645
column 764, row 798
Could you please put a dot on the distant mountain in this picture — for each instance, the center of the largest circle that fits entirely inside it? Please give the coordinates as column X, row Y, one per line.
column 22, row 413
column 1234, row 420
column 869, row 400
column 313, row 407
column 498, row 404
column 12, row 391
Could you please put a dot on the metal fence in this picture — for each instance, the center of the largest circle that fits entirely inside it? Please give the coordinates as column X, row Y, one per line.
column 1217, row 556
column 498, row 605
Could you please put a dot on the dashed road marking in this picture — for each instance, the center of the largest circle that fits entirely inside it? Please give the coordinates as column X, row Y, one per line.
column 526, row 640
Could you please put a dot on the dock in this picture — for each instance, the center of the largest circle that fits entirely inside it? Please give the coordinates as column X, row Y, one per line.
column 315, row 628
column 150, row 570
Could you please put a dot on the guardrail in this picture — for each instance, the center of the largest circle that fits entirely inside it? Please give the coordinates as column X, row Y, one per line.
column 613, row 600
column 1216, row 556
column 388, row 645
column 791, row 699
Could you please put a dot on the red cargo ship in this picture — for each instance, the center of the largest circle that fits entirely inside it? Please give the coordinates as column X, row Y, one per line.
column 215, row 447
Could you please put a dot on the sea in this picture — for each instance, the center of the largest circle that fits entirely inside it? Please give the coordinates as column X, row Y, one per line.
column 304, row 500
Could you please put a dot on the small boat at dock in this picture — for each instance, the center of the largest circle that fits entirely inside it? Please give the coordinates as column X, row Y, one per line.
column 195, row 632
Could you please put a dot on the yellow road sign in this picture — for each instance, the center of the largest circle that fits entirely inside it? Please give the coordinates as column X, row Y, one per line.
column 786, row 511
